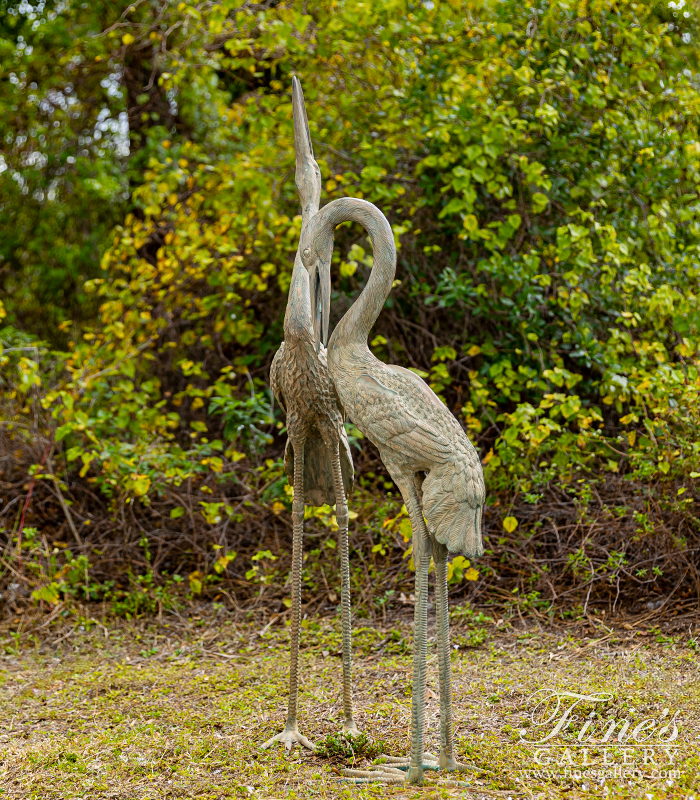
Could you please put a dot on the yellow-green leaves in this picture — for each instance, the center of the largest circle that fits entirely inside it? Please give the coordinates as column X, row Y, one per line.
column 138, row 484
column 28, row 373
column 224, row 560
column 401, row 524
column 406, row 529
column 48, row 593
column 544, row 198
column 459, row 569
column 212, row 512
column 510, row 524
column 195, row 580
column 539, row 202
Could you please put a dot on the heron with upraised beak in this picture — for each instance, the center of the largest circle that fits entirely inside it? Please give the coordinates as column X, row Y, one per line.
column 317, row 456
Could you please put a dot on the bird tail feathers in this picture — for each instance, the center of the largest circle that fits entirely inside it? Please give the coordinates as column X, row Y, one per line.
column 318, row 470
column 453, row 498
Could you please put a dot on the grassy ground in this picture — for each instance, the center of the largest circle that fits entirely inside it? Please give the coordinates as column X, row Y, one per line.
column 179, row 710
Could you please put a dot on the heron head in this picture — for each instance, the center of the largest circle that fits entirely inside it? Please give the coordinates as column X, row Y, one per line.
column 316, row 249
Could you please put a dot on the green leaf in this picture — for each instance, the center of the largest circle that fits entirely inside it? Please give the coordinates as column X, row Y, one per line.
column 49, row 593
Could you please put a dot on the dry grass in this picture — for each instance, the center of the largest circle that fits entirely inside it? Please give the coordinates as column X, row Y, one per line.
column 155, row 710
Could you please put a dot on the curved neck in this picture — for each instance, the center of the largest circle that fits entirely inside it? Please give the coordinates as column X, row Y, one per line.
column 354, row 327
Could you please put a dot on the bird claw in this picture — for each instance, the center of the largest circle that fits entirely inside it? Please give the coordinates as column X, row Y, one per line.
column 391, row 770
column 403, row 763
column 433, row 762
column 398, row 770
column 375, row 774
column 289, row 737
column 457, row 766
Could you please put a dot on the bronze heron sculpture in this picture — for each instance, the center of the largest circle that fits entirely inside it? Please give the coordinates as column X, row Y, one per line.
column 424, row 448
column 317, row 455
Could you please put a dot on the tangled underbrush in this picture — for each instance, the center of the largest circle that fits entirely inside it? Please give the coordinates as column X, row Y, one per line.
column 563, row 549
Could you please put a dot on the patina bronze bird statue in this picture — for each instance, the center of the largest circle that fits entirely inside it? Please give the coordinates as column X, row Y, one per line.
column 317, row 455
column 424, row 448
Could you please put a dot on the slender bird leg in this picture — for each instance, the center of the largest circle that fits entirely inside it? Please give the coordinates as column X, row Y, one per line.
column 443, row 645
column 447, row 759
column 291, row 734
column 421, row 559
column 419, row 761
column 342, row 517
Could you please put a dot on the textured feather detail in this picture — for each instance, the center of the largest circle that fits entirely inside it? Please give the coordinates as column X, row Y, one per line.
column 415, row 431
column 453, row 496
column 443, row 511
column 302, row 386
column 412, row 427
column 383, row 415
column 275, row 382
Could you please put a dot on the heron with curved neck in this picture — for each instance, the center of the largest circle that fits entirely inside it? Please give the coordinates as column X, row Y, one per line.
column 424, row 448
column 317, row 455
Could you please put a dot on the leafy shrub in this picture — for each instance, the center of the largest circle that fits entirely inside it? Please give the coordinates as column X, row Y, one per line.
column 539, row 165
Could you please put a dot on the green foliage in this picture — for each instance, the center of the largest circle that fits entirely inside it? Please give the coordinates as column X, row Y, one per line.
column 63, row 168
column 57, row 574
column 243, row 419
column 539, row 164
column 470, row 629
column 54, row 572
column 344, row 747
column 544, row 171
column 146, row 594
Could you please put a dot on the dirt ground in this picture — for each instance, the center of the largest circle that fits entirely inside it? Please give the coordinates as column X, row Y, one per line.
column 178, row 708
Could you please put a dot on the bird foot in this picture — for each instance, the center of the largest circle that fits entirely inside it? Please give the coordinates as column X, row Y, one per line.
column 380, row 774
column 441, row 762
column 392, row 770
column 452, row 765
column 350, row 729
column 289, row 737
column 404, row 762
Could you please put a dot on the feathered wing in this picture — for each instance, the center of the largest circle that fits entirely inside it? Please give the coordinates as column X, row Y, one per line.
column 453, row 491
column 386, row 417
column 275, row 383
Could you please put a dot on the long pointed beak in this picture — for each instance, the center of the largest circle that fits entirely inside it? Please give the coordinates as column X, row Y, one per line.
column 302, row 136
column 308, row 175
